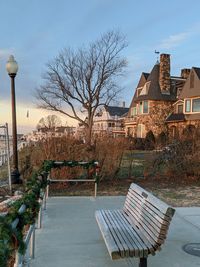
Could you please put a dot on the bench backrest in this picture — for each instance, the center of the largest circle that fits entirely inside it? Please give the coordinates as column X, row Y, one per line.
column 150, row 215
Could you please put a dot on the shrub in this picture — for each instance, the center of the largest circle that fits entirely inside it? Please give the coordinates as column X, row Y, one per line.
column 181, row 158
column 161, row 140
column 150, row 141
column 107, row 151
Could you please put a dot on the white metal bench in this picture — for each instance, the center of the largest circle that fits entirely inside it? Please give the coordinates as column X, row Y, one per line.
column 139, row 229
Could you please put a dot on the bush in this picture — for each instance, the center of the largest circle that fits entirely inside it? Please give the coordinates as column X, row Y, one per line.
column 161, row 140
column 180, row 159
column 150, row 141
column 107, row 151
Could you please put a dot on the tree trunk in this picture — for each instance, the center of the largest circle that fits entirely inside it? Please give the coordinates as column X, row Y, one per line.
column 88, row 137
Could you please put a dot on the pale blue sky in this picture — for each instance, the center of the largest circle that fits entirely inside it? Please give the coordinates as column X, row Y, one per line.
column 34, row 31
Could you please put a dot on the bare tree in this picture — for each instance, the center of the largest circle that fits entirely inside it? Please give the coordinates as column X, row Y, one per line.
column 49, row 122
column 78, row 82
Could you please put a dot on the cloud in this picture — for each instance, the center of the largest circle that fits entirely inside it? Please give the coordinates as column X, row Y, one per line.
column 174, row 40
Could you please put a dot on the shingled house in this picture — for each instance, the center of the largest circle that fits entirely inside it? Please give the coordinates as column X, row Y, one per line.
column 109, row 121
column 186, row 114
column 153, row 100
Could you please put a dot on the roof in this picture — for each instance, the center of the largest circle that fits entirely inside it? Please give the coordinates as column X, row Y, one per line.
column 187, row 91
column 182, row 117
column 143, row 79
column 175, row 117
column 197, row 70
column 116, row 111
column 154, row 91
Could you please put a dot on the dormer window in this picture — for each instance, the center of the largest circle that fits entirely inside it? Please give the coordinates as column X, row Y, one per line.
column 139, row 90
column 180, row 108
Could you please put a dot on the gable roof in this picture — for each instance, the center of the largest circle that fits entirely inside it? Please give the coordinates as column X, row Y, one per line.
column 154, row 91
column 143, row 79
column 116, row 111
column 191, row 92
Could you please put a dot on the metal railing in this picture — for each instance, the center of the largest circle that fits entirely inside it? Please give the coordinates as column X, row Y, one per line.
column 50, row 180
column 29, row 239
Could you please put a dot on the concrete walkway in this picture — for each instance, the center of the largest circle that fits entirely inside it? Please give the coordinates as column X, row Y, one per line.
column 70, row 236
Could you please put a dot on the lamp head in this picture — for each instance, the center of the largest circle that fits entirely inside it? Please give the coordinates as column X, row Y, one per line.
column 12, row 66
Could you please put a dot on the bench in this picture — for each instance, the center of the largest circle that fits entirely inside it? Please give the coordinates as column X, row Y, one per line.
column 139, row 229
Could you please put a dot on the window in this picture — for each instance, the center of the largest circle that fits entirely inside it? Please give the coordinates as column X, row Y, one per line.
column 180, row 108
column 145, row 107
column 109, row 124
column 133, row 111
column 141, row 131
column 140, row 108
column 139, row 90
column 196, row 105
column 187, row 105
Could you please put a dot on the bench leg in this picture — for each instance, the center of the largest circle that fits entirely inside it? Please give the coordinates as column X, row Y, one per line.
column 143, row 262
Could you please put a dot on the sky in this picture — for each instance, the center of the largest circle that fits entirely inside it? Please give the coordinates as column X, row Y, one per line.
column 35, row 31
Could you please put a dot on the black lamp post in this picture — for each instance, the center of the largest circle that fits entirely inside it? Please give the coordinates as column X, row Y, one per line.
column 12, row 69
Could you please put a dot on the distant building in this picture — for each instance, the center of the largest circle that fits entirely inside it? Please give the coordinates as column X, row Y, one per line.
column 109, row 120
column 44, row 133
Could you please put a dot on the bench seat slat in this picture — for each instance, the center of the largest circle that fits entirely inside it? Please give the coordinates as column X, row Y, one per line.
column 135, row 232
column 107, row 234
column 143, row 248
column 122, row 231
column 115, row 236
column 124, row 249
column 136, row 247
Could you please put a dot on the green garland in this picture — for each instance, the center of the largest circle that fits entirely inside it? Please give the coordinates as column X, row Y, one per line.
column 12, row 239
column 50, row 164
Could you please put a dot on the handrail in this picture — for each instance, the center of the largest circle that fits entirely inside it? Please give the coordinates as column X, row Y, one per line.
column 29, row 239
column 84, row 164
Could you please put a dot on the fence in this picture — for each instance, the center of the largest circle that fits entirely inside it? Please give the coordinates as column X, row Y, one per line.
column 24, row 260
column 5, row 152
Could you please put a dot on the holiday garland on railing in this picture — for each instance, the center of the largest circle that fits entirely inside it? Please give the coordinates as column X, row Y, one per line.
column 50, row 164
column 12, row 238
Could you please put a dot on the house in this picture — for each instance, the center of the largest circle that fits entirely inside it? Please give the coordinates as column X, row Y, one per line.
column 186, row 113
column 45, row 133
column 109, row 121
column 153, row 100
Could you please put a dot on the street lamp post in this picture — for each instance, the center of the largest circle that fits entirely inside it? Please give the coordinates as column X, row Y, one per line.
column 12, row 69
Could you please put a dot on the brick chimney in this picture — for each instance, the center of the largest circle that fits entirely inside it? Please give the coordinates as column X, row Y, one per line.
column 185, row 73
column 164, row 78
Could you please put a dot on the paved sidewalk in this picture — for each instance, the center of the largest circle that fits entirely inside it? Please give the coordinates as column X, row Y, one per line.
column 70, row 236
